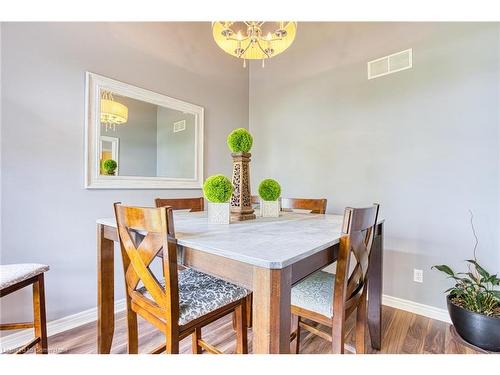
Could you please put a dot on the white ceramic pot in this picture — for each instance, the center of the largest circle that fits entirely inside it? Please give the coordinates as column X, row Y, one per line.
column 218, row 213
column 270, row 208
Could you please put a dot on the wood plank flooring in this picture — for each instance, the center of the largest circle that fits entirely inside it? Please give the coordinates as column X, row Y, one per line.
column 404, row 332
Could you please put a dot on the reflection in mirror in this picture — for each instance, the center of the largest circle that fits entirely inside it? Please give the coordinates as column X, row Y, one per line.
column 109, row 151
column 145, row 139
column 140, row 139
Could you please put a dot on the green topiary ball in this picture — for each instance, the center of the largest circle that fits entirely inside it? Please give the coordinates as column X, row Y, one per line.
column 217, row 188
column 109, row 165
column 269, row 189
column 239, row 140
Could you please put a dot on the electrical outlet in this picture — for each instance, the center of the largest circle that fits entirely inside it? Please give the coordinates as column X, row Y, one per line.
column 418, row 275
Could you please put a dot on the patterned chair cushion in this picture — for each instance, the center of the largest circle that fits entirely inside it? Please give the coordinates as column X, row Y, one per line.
column 11, row 274
column 200, row 294
column 315, row 293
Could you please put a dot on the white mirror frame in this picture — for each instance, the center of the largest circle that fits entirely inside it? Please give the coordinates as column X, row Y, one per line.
column 93, row 179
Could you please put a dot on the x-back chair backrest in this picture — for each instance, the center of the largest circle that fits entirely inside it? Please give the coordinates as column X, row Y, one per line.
column 156, row 225
column 358, row 231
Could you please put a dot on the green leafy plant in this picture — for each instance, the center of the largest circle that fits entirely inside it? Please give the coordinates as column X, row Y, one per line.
column 217, row 188
column 109, row 166
column 476, row 290
column 269, row 189
column 240, row 140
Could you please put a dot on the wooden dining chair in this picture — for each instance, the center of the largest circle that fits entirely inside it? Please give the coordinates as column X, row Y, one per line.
column 315, row 206
column 182, row 302
column 192, row 204
column 17, row 276
column 329, row 299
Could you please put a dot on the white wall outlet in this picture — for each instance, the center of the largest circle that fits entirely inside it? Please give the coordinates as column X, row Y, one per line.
column 418, row 275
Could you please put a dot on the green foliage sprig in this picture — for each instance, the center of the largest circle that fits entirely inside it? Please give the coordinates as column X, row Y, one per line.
column 269, row 189
column 476, row 290
column 217, row 188
column 240, row 140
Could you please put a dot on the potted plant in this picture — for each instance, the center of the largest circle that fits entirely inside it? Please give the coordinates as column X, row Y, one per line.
column 109, row 167
column 240, row 140
column 218, row 189
column 269, row 192
column 474, row 304
column 240, row 143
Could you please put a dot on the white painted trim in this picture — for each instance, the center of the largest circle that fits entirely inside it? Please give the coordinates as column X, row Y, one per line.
column 72, row 321
column 54, row 327
column 417, row 308
column 93, row 179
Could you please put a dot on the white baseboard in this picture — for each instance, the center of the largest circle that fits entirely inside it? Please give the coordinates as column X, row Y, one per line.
column 54, row 327
column 72, row 321
column 416, row 308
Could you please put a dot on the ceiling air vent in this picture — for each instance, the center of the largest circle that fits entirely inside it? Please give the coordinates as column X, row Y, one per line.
column 390, row 64
column 179, row 126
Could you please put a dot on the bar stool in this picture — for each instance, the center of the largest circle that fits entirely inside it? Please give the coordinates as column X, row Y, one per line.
column 17, row 276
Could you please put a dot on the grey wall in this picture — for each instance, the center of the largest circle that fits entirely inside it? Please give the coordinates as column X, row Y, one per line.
column 424, row 143
column 47, row 215
column 137, row 150
column 176, row 151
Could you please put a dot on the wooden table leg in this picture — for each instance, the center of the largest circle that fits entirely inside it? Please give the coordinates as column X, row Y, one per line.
column 105, row 292
column 375, row 289
column 271, row 310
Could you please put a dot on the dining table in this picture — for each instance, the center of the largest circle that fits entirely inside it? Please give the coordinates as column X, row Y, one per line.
column 267, row 255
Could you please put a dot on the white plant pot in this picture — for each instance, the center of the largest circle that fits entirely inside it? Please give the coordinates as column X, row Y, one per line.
column 270, row 208
column 218, row 213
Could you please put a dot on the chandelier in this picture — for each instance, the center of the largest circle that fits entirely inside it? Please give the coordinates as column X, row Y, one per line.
column 254, row 40
column 112, row 112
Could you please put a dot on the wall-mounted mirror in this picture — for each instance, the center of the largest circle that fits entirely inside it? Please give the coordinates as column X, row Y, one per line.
column 140, row 139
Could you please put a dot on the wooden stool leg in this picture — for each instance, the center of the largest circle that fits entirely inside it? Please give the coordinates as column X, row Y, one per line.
column 132, row 329
column 171, row 341
column 196, row 336
column 296, row 329
column 338, row 336
column 249, row 310
column 240, row 314
column 361, row 315
column 40, row 321
column 234, row 321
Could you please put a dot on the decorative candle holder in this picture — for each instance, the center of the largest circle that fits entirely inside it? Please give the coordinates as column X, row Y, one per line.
column 241, row 202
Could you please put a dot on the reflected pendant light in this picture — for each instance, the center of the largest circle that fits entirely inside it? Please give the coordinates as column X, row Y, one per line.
column 112, row 112
column 254, row 40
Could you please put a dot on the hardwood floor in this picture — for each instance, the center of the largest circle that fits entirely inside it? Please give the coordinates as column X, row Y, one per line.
column 404, row 332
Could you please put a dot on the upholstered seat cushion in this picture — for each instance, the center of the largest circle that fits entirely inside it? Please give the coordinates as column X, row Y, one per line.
column 315, row 293
column 11, row 274
column 200, row 294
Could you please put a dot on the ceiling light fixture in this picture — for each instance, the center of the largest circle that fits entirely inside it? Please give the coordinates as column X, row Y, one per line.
column 254, row 40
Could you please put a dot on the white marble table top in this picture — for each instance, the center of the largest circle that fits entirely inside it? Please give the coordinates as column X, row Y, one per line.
column 273, row 243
